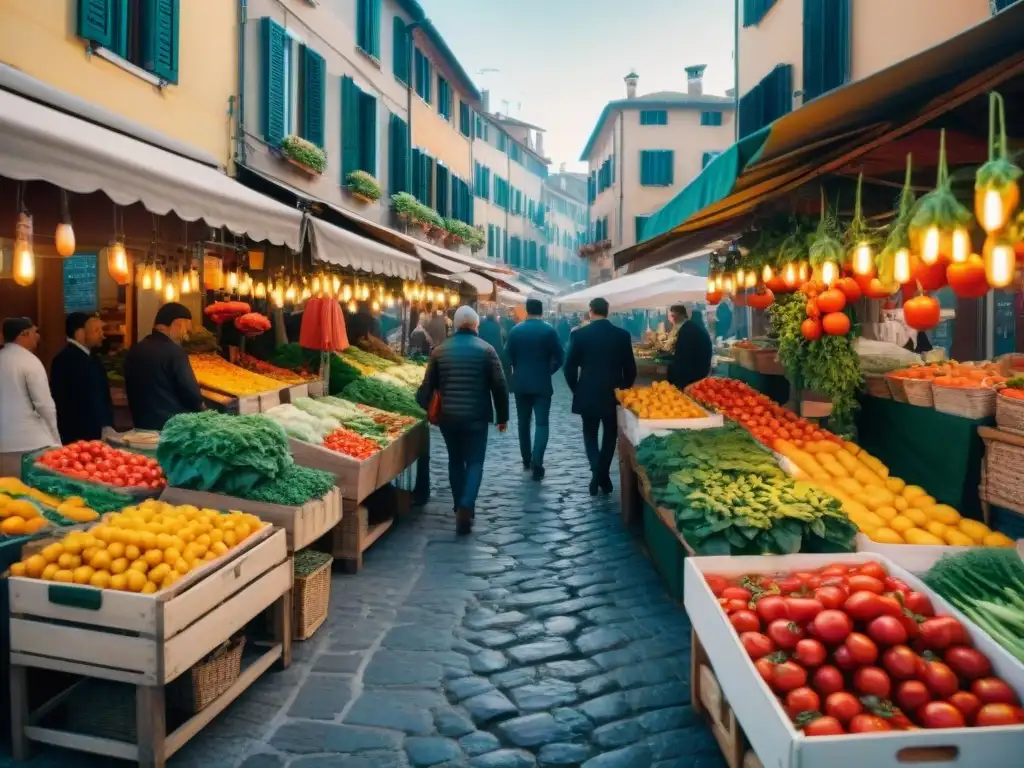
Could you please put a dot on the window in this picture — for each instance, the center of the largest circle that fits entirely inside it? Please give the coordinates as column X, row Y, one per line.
column 422, row 175
column 358, row 130
column 398, row 155
column 442, row 188
column 515, row 152
column 544, row 258
column 143, row 32
column 656, row 167
column 444, row 98
column 481, row 128
column 707, row 157
column 292, row 89
column 502, row 141
column 767, row 101
column 465, row 119
column 826, row 46
column 639, row 223
column 500, row 248
column 501, row 192
column 755, row 10
column 462, row 201
column 400, row 50
column 482, row 181
column 368, row 27
column 515, row 248
column 653, row 117
column 424, row 72
column 711, row 118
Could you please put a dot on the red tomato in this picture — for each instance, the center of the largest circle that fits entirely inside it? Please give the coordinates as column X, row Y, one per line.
column 940, row 714
column 998, row 714
column 772, row 607
column 737, row 593
column 785, row 634
column 862, row 648
column 827, row 679
column 890, row 606
column 892, row 584
column 804, row 576
column 832, row 626
column 968, row 663
column 803, row 609
column 887, row 631
column 716, row 584
column 872, row 681
column 831, row 597
column 912, row 694
column 863, row 606
column 874, row 570
column 901, row 663
column 788, row 584
column 836, row 569
column 756, row 644
column 789, row 676
column 843, row 706
column 868, row 724
column 861, row 583
column 731, row 605
column 810, row 653
column 802, row 699
column 968, row 704
column 844, row 659
column 941, row 632
column 823, row 726
column 745, row 621
column 919, row 604
column 940, row 679
column 992, row 690
column 766, row 669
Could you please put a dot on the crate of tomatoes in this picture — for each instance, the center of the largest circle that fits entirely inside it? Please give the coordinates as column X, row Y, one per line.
column 94, row 461
column 850, row 661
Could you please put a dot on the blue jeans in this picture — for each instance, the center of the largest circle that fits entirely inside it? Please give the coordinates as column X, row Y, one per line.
column 467, row 446
column 528, row 406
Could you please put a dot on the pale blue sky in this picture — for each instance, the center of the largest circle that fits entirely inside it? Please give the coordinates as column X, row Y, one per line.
column 565, row 59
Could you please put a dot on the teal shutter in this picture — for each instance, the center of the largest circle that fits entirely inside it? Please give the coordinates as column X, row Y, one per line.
column 400, row 49
column 314, row 79
column 350, row 127
column 368, row 27
column 442, row 189
column 273, row 105
column 640, row 221
column 398, row 155
column 465, row 121
column 368, row 133
column 490, row 241
column 755, row 10
column 96, row 21
column 159, row 38
column 826, row 46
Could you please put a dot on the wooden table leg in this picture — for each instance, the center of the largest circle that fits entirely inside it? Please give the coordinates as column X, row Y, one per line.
column 21, row 747
column 151, row 725
column 282, row 627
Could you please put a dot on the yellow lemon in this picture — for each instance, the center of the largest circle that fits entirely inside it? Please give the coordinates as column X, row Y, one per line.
column 204, row 539
column 944, row 514
column 100, row 579
column 132, row 552
column 936, row 528
column 115, row 549
column 901, row 503
column 72, row 544
column 154, row 557
column 956, row 538
column 149, row 588
column 158, row 572
column 218, row 548
column 34, row 566
column 64, row 575
column 210, row 555
column 895, row 485
column 923, row 502
column 82, row 574
column 119, row 582
column 911, row 492
column 169, row 579
column 171, row 555
column 886, row 536
column 182, row 566
column 163, row 541
column 886, row 513
column 120, row 565
column 139, row 565
column 919, row 517
column 102, row 533
column 917, row 536
column 49, row 572
column 52, row 552
column 147, row 540
column 20, row 569
column 230, row 538
column 69, row 561
column 89, row 553
column 901, row 524
column 976, row 530
column 101, row 560
column 216, row 535
column 136, row 581
column 998, row 540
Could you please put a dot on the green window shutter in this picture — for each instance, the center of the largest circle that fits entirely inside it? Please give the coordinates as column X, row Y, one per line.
column 826, row 46
column 400, row 49
column 368, row 133
column 465, row 123
column 424, row 75
column 273, row 105
column 350, row 127
column 442, row 190
column 653, row 117
column 444, row 98
column 711, row 118
column 97, row 20
column 490, row 241
column 755, row 10
column 398, row 154
column 314, row 80
column 159, row 38
column 368, row 26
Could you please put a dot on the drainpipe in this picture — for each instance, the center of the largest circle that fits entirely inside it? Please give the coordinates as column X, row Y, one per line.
column 736, row 73
column 508, row 208
column 620, row 162
column 240, row 106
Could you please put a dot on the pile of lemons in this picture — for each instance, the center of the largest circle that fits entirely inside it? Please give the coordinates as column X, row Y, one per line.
column 143, row 548
column 661, row 400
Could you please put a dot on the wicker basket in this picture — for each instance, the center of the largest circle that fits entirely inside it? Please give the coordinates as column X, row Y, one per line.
column 973, row 403
column 876, row 386
column 208, row 678
column 1003, row 476
column 896, row 388
column 766, row 361
column 1010, row 414
column 919, row 392
column 311, row 593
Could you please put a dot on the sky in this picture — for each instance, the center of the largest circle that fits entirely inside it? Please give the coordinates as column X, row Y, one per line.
column 559, row 62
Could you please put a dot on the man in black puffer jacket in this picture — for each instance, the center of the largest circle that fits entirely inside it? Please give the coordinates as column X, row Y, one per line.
column 465, row 372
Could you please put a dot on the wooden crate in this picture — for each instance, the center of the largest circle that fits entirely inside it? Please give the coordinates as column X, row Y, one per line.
column 349, row 540
column 147, row 641
column 706, row 698
column 294, row 391
column 356, row 479
column 302, row 525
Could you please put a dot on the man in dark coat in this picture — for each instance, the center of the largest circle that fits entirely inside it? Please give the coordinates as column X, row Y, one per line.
column 491, row 332
column 362, row 323
column 691, row 360
column 600, row 360
column 466, row 372
column 78, row 382
column 534, row 354
column 564, row 329
column 158, row 378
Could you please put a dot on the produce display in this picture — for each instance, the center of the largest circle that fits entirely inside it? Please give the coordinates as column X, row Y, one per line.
column 271, row 371
column 346, row 414
column 380, row 394
column 408, row 374
column 851, row 649
column 96, row 462
column 200, row 341
column 20, row 517
column 293, row 487
column 101, row 498
column 730, row 497
column 1014, row 388
column 661, row 400
column 955, row 375
column 393, row 424
column 369, row 359
column 143, row 548
column 351, row 444
column 378, row 348
column 987, row 586
column 300, row 424
column 217, row 373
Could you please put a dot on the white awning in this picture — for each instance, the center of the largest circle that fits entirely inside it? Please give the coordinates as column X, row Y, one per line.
column 511, row 298
column 335, row 245
column 41, row 143
column 457, row 271
column 650, row 289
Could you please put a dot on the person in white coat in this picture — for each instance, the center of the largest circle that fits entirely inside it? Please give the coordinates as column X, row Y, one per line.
column 28, row 416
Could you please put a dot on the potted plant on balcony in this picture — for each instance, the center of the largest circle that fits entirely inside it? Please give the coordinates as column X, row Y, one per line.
column 476, row 239
column 363, row 187
column 406, row 207
column 304, row 155
column 432, row 224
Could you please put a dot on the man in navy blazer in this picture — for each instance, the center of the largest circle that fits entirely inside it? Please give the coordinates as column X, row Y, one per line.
column 534, row 354
column 600, row 361
column 78, row 382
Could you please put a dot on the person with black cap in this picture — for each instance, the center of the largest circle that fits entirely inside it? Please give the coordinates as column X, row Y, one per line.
column 158, row 378
column 78, row 382
column 28, row 417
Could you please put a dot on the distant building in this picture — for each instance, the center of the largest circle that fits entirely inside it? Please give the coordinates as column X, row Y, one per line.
column 565, row 200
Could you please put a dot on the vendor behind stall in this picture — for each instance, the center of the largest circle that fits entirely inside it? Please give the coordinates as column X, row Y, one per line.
column 78, row 382
column 158, row 378
column 28, row 417
column 691, row 360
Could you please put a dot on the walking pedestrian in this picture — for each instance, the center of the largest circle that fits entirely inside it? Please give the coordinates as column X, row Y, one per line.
column 691, row 358
column 435, row 324
column 491, row 332
column 464, row 388
column 28, row 417
column 79, row 384
column 420, row 342
column 534, row 355
column 600, row 360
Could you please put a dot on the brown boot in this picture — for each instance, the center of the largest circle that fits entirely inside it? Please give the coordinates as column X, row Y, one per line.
column 463, row 521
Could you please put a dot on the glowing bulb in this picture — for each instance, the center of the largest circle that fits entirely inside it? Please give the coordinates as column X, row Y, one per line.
column 375, row 306
column 766, row 273
column 863, row 260
column 741, row 276
column 406, row 290
column 430, row 295
column 289, row 294
column 346, row 293
column 65, row 239
column 147, row 279
column 789, row 275
column 931, row 245
column 232, row 281
column 316, row 285
column 169, row 292
column 1000, row 264
column 961, row 245
column 993, row 212
column 278, row 298
column 24, row 263
column 117, row 262
column 711, row 284
column 158, row 280
column 244, row 285
column 729, row 286
column 336, row 284
column 186, row 283
column 901, row 266
column 750, row 281
column 366, row 292
column 801, row 272
column 261, row 291
column 391, row 301
column 306, row 294
column 453, row 300
column 829, row 273
column 719, row 283
column 352, row 307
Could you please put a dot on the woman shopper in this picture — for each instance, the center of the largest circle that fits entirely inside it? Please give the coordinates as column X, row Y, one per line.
column 464, row 391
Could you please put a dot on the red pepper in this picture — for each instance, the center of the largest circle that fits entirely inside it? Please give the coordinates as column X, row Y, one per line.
column 349, row 443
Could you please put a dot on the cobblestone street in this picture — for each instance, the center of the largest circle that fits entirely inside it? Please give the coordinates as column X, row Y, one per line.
column 544, row 639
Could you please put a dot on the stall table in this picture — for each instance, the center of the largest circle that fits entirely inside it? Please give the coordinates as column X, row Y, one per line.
column 940, row 452
column 774, row 386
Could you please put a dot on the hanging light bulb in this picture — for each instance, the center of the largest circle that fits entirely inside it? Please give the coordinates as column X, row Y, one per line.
column 406, row 290
column 994, row 212
column 711, row 284
column 352, row 307
column 863, row 260
column 453, row 300
column 741, row 276
column 261, row 291
column 336, row 284
column 728, row 285
column 767, row 273
column 64, row 235
column 24, row 270
column 901, row 270
column 146, row 283
column 789, row 275
column 232, row 281
column 315, row 287
column 289, row 294
column 278, row 298
column 751, row 280
column 375, row 306
column 169, row 293
column 801, row 272
column 117, row 262
column 366, row 292
column 158, row 279
column 931, row 245
column 1000, row 262
column 306, row 294
column 961, row 245
column 390, row 301
column 186, row 283
column 719, row 282
column 346, row 294
column 829, row 273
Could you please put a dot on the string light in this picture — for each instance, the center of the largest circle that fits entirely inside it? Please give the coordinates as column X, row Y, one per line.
column 961, row 245
column 901, row 270
column 158, row 280
column 261, row 291
column 829, row 273
column 766, row 273
column 931, row 245
column 147, row 279
column 169, row 292
column 863, row 260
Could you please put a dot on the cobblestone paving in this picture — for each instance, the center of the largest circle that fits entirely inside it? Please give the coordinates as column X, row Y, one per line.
column 544, row 639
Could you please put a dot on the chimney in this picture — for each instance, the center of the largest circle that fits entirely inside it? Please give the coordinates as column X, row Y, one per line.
column 695, row 79
column 631, row 80
column 538, row 143
column 485, row 100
